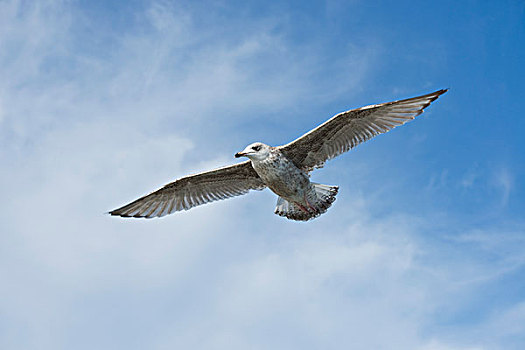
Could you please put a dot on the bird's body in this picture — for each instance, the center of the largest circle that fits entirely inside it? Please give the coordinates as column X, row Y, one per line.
column 298, row 197
column 285, row 169
column 282, row 176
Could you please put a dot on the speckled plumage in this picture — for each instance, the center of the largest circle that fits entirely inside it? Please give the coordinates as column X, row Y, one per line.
column 284, row 169
column 282, row 176
column 292, row 185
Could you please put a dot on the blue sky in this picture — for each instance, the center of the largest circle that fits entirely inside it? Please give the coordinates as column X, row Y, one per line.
column 101, row 102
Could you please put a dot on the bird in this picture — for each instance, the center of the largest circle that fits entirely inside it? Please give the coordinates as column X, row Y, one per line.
column 285, row 169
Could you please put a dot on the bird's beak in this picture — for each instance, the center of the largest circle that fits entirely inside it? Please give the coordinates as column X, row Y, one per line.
column 239, row 154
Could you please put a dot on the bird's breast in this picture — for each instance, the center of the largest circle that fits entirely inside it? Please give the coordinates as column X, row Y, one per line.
column 282, row 176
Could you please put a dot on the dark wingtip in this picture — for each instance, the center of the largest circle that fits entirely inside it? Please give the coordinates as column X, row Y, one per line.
column 115, row 213
column 441, row 92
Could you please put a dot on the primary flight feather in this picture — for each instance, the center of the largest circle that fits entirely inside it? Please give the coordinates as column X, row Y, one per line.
column 284, row 169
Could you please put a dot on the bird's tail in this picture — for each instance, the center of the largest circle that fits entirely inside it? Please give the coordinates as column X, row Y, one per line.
column 316, row 204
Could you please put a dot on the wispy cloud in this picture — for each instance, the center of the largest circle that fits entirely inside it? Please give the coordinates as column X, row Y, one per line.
column 504, row 181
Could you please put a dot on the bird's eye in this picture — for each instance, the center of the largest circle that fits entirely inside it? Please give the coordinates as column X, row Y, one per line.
column 256, row 148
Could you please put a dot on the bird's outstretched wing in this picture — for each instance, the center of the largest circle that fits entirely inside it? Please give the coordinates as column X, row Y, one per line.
column 348, row 129
column 194, row 190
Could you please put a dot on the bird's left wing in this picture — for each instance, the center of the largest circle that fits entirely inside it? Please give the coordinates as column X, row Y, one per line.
column 193, row 190
column 348, row 129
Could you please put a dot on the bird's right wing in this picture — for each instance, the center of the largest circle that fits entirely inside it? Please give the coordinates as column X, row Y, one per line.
column 348, row 129
column 193, row 190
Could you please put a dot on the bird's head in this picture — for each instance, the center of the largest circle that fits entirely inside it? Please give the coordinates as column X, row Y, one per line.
column 255, row 151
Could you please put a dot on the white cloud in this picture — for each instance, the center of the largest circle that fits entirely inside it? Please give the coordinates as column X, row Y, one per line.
column 470, row 178
column 504, row 180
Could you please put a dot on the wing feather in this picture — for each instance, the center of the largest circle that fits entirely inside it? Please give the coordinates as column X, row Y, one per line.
column 348, row 129
column 193, row 190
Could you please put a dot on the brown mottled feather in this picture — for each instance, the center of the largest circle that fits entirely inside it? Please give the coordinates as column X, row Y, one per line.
column 194, row 190
column 348, row 129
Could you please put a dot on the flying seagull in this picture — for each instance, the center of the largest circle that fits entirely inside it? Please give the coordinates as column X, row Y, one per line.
column 284, row 169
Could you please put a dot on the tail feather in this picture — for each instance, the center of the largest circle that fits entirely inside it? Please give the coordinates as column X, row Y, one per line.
column 319, row 201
